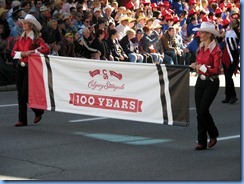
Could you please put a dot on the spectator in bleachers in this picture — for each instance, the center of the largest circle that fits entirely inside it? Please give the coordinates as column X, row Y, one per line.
column 185, row 54
column 102, row 26
column 85, row 5
column 25, row 8
column 120, row 13
column 122, row 27
column 77, row 21
column 68, row 25
column 193, row 23
column 68, row 5
column 192, row 47
column 44, row 16
column 141, row 22
column 17, row 30
column 100, row 44
column 85, row 41
column 129, row 48
column 16, row 14
column 114, row 46
column 3, row 4
column 97, row 14
column 4, row 24
column 67, row 47
column 73, row 11
column 169, row 45
column 52, row 31
column 147, row 43
column 13, row 4
column 107, row 15
column 159, row 46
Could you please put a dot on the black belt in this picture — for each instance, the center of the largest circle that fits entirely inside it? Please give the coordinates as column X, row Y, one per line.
column 23, row 64
column 211, row 78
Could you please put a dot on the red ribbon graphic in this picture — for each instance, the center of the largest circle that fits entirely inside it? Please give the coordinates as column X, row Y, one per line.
column 106, row 102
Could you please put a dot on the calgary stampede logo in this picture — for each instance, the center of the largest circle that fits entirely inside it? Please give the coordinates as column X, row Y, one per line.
column 106, row 85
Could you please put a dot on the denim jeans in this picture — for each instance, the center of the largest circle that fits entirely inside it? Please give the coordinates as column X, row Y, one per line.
column 133, row 57
column 173, row 55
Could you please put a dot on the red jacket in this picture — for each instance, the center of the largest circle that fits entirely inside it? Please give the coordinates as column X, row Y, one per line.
column 24, row 44
column 211, row 58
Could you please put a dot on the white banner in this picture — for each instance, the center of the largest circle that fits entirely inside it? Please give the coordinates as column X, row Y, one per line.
column 122, row 90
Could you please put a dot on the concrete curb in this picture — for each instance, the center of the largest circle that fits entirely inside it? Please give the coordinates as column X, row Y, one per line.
column 8, row 88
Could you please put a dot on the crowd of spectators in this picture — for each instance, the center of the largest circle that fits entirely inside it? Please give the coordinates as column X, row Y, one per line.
column 138, row 31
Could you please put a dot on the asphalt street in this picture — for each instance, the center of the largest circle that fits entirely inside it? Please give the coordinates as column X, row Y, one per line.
column 77, row 147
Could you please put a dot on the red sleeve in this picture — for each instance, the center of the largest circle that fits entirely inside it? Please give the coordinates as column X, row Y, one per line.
column 44, row 48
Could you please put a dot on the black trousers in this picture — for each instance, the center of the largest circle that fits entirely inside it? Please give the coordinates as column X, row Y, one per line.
column 205, row 93
column 229, row 83
column 22, row 89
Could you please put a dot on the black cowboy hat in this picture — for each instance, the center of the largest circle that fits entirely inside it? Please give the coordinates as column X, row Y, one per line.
column 16, row 9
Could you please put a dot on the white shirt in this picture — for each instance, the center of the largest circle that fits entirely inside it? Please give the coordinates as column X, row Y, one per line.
column 121, row 30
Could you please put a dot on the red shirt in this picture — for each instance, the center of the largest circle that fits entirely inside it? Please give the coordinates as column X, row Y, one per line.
column 211, row 58
column 24, row 44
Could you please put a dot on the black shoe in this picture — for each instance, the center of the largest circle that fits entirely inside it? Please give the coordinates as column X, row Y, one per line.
column 225, row 100
column 233, row 100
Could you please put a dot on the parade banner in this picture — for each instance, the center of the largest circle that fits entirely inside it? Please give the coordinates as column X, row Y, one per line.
column 150, row 93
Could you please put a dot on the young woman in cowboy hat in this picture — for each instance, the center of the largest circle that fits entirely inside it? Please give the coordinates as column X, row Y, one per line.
column 26, row 44
column 207, row 65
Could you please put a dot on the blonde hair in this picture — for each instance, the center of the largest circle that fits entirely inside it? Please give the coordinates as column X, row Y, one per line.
column 130, row 31
column 33, row 28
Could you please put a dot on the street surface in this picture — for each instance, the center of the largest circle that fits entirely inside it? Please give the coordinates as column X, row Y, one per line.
column 77, row 147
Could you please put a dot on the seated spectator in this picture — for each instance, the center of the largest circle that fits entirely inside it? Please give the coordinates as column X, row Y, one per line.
column 159, row 46
column 54, row 48
column 147, row 58
column 101, row 24
column 147, row 44
column 67, row 46
column 52, row 30
column 185, row 54
column 169, row 45
column 122, row 27
column 114, row 46
column 77, row 21
column 68, row 25
column 88, row 51
column 5, row 32
column 192, row 47
column 100, row 44
column 17, row 29
column 128, row 47
column 16, row 14
column 85, row 23
column 107, row 15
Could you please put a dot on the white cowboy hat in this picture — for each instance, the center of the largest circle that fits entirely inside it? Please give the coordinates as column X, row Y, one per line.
column 124, row 17
column 207, row 27
column 30, row 18
column 107, row 7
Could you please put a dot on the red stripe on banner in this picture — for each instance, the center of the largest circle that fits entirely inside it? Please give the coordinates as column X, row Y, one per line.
column 37, row 94
column 106, row 102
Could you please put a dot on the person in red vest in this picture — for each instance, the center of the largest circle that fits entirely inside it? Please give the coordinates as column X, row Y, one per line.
column 207, row 65
column 29, row 42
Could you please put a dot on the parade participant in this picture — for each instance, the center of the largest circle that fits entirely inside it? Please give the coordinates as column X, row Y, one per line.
column 26, row 44
column 207, row 65
column 231, row 60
